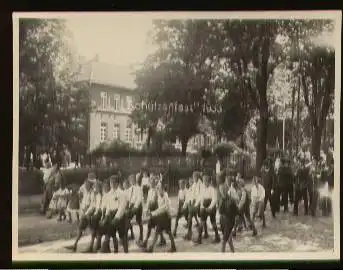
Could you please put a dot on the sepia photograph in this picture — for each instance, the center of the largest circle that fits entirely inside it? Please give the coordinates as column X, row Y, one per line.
column 176, row 136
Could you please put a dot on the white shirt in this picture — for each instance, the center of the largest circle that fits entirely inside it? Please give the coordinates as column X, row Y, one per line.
column 197, row 191
column 277, row 164
column 257, row 193
column 234, row 194
column 208, row 193
column 86, row 199
column 152, row 193
column 182, row 194
column 96, row 200
column 218, row 167
column 46, row 174
column 135, row 195
column 104, row 200
column 114, row 197
column 163, row 204
column 145, row 181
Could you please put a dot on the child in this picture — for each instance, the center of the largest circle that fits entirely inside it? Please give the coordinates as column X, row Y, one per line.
column 86, row 200
column 161, row 217
column 182, row 211
column 193, row 209
column 62, row 201
column 243, row 207
column 207, row 201
column 257, row 200
column 93, row 212
column 101, row 212
column 52, row 209
column 115, row 219
column 145, row 185
column 135, row 198
column 73, row 203
column 152, row 203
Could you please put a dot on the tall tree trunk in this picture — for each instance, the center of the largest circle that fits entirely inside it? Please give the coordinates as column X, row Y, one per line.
column 292, row 121
column 298, row 119
column 242, row 159
column 316, row 141
column 262, row 133
column 184, row 142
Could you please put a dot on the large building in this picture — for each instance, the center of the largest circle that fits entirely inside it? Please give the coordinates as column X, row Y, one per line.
column 112, row 105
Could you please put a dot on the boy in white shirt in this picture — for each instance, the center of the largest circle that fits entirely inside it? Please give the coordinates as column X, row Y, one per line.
column 193, row 203
column 145, row 184
column 182, row 211
column 101, row 229
column 257, row 200
column 135, row 198
column 95, row 213
column 161, row 217
column 86, row 201
column 115, row 219
column 152, row 203
column 207, row 201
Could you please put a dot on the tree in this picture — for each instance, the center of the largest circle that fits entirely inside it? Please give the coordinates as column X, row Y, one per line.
column 49, row 103
column 251, row 50
column 317, row 72
column 175, row 79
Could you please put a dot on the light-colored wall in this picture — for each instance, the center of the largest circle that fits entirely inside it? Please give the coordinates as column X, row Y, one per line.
column 110, row 116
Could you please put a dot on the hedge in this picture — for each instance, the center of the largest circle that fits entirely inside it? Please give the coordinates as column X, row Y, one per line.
column 31, row 182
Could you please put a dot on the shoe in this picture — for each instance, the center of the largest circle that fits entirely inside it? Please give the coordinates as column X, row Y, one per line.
column 206, row 236
column 216, row 240
column 172, row 250
column 254, row 233
column 162, row 243
column 72, row 248
column 187, row 237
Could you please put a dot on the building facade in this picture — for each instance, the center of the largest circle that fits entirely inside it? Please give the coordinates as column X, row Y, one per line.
column 110, row 118
column 112, row 105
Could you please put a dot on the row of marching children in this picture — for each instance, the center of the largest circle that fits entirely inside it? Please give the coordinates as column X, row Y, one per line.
column 108, row 207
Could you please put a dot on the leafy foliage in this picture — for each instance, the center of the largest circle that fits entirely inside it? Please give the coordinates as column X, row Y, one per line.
column 53, row 110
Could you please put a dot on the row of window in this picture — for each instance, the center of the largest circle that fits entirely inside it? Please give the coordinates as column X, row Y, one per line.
column 116, row 133
column 106, row 102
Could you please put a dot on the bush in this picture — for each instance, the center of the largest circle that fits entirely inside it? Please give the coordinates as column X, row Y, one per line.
column 30, row 182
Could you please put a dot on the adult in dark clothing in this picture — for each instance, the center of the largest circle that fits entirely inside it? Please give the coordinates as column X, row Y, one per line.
column 285, row 179
column 268, row 182
column 51, row 185
column 302, row 178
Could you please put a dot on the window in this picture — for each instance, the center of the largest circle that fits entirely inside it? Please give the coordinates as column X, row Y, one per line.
column 116, row 104
column 116, row 131
column 128, row 132
column 201, row 140
column 104, row 101
column 129, row 102
column 103, row 132
column 138, row 135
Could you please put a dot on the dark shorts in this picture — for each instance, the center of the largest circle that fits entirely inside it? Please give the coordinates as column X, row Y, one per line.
column 145, row 189
column 131, row 213
column 84, row 223
column 95, row 220
column 182, row 212
column 194, row 211
column 162, row 222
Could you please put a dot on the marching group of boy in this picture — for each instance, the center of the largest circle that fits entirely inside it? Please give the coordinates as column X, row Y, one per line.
column 107, row 208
